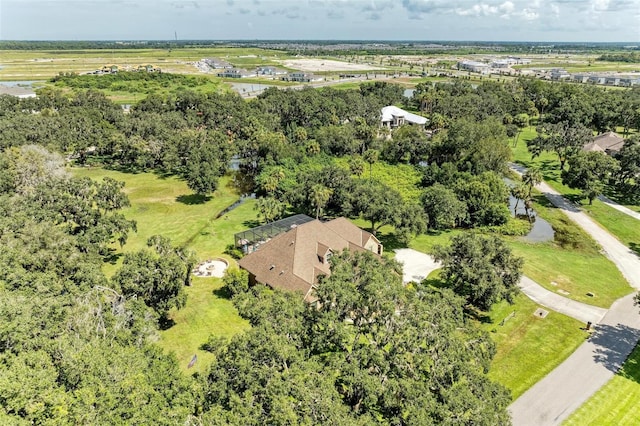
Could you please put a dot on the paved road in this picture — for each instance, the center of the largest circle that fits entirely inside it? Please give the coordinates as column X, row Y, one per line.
column 591, row 366
column 562, row 391
column 619, row 207
column 564, row 305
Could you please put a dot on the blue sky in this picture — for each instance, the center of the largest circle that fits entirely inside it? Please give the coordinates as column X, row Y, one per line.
column 517, row 20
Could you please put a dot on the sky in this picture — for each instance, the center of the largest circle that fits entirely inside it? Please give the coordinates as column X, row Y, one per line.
column 481, row 20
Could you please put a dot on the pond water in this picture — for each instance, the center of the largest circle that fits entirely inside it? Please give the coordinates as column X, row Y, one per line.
column 541, row 230
column 408, row 93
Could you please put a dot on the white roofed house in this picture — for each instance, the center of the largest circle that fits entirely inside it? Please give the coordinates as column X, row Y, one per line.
column 393, row 117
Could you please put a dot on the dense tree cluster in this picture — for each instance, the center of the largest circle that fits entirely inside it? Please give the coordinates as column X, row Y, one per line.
column 75, row 347
column 371, row 352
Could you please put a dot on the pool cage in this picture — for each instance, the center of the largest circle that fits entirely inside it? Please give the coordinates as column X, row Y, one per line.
column 251, row 239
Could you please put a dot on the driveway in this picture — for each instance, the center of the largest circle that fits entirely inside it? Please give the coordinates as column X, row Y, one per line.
column 416, row 265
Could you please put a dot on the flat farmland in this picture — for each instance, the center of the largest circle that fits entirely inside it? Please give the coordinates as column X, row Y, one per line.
column 19, row 65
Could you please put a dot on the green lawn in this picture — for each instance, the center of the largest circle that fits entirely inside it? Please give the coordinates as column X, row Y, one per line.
column 166, row 206
column 206, row 313
column 623, row 226
column 616, row 403
column 529, row 347
column 575, row 272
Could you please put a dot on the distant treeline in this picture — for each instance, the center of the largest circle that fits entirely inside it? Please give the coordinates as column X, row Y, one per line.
column 326, row 47
column 631, row 57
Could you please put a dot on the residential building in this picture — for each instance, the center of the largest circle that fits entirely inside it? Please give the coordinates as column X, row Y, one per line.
column 473, row 66
column 559, row 74
column 610, row 143
column 236, row 73
column 268, row 70
column 295, row 259
column 392, row 117
column 303, row 77
column 217, row 64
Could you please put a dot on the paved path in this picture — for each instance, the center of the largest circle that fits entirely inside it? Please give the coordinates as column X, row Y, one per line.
column 556, row 396
column 564, row 305
column 619, row 207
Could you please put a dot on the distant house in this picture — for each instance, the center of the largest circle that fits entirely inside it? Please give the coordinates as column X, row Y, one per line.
column 392, row 117
column 147, row 68
column 236, row 73
column 294, row 260
column 610, row 143
column 302, row 77
column 268, row 70
column 559, row 74
column 473, row 66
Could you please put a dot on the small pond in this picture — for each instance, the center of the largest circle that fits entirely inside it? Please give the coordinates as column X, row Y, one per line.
column 541, row 230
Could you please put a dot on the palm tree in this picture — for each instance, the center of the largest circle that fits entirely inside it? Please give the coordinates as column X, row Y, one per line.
column 269, row 208
column 356, row 166
column 371, row 156
column 320, row 196
column 531, row 178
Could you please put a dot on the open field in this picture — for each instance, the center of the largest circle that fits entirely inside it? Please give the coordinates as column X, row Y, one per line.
column 43, row 64
column 616, row 403
column 207, row 312
column 324, row 65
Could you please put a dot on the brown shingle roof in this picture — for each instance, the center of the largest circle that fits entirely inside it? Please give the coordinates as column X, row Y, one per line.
column 609, row 141
column 293, row 260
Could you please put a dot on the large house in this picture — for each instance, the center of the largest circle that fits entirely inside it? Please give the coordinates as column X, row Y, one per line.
column 295, row 259
column 236, row 73
column 610, row 143
column 392, row 117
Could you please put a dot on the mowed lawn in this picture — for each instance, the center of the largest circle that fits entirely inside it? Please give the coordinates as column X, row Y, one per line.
column 529, row 347
column 166, row 206
column 206, row 313
column 616, row 403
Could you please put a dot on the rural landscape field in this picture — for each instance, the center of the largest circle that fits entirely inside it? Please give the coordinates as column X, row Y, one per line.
column 303, row 232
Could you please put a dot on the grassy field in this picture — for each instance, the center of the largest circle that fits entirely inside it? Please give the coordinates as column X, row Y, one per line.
column 207, row 312
column 616, row 403
column 166, row 206
column 43, row 64
column 529, row 347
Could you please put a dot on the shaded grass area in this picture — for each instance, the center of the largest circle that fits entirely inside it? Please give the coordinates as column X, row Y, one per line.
column 206, row 313
column 528, row 347
column 616, row 403
column 402, row 177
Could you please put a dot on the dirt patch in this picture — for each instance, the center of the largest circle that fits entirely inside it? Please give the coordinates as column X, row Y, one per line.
column 319, row 65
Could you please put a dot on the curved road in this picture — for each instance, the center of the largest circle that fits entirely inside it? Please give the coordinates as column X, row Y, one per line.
column 556, row 396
